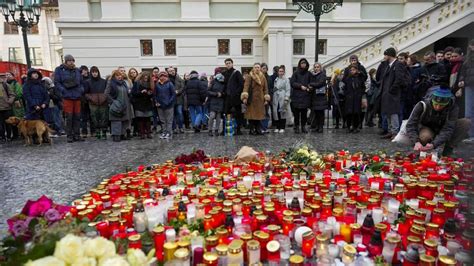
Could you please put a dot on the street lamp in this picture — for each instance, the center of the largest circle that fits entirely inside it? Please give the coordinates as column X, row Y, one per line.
column 317, row 8
column 32, row 13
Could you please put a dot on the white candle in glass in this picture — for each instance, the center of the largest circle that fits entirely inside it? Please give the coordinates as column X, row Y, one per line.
column 357, row 239
column 377, row 215
column 247, row 180
column 170, row 235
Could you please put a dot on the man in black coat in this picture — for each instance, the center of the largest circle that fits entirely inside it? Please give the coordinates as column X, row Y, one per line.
column 300, row 95
column 234, row 85
column 431, row 68
column 393, row 80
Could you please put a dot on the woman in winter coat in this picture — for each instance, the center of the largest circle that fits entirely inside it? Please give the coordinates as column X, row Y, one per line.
column 215, row 96
column 165, row 97
column 142, row 99
column 120, row 109
column 255, row 96
column 281, row 98
column 195, row 94
column 301, row 95
column 319, row 97
column 94, row 90
column 337, row 98
column 354, row 89
column 35, row 94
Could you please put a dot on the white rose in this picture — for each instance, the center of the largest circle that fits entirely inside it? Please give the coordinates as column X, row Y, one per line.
column 69, row 249
column 46, row 261
column 99, row 248
column 136, row 257
column 85, row 261
column 113, row 261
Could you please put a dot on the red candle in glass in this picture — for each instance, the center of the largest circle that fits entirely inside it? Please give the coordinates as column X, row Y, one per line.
column 159, row 239
column 438, row 217
column 103, row 229
column 273, row 251
column 308, row 244
column 172, row 213
column 431, row 247
column 287, row 225
column 134, row 241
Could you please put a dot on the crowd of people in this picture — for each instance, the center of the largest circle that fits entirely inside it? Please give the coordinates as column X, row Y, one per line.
column 80, row 102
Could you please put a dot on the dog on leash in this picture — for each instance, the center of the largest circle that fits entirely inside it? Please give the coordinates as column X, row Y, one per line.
column 28, row 128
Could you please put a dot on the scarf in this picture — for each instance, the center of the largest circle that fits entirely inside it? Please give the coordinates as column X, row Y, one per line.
column 456, row 64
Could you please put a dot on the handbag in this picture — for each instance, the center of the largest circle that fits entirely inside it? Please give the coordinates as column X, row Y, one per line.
column 117, row 108
column 402, row 136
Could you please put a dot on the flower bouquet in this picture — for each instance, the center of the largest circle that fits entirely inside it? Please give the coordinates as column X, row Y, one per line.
column 197, row 156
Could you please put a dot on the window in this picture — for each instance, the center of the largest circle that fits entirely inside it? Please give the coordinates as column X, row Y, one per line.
column 33, row 30
column 247, row 45
column 146, row 47
column 170, row 47
column 298, row 46
column 223, row 46
column 9, row 29
column 14, row 55
column 36, row 56
column 322, row 46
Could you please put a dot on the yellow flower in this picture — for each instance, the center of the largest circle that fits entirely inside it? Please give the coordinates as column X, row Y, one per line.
column 136, row 257
column 69, row 249
column 85, row 261
column 99, row 248
column 113, row 261
column 46, row 261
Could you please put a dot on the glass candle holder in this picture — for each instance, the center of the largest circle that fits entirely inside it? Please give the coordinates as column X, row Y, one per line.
column 253, row 252
column 169, row 249
column 308, row 244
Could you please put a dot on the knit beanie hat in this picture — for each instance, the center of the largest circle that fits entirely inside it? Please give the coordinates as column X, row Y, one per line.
column 163, row 73
column 217, row 70
column 69, row 57
column 442, row 96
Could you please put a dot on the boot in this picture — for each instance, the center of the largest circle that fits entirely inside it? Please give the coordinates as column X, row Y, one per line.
column 97, row 135
column 69, row 127
column 210, row 133
column 116, row 138
column 129, row 134
column 104, row 134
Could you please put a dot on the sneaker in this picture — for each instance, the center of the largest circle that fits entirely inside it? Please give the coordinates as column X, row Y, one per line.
column 281, row 131
column 162, row 136
column 167, row 136
column 181, row 131
column 469, row 140
column 54, row 136
column 276, row 131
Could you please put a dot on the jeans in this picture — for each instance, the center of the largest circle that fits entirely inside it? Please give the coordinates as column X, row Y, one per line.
column 166, row 116
column 52, row 116
column 178, row 117
column 393, row 123
column 469, row 110
column 205, row 114
column 196, row 115
column 384, row 123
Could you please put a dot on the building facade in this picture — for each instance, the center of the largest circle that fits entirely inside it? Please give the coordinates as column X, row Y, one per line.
column 43, row 39
column 200, row 34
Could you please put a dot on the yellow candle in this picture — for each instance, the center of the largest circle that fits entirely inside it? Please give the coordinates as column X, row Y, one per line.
column 346, row 232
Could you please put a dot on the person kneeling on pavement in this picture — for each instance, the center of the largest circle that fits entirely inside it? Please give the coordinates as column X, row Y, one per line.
column 434, row 123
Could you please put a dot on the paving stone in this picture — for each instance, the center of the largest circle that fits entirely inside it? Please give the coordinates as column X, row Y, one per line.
column 65, row 171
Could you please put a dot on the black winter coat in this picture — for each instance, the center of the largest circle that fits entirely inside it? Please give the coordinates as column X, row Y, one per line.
column 362, row 70
column 195, row 92
column 442, row 123
column 234, row 85
column 436, row 69
column 142, row 101
column 354, row 89
column 318, row 101
column 216, row 104
column 299, row 98
column 392, row 84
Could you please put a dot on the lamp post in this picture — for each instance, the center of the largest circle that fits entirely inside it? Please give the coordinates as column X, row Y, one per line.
column 28, row 17
column 317, row 8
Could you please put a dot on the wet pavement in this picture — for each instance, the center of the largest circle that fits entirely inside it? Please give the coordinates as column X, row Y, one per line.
column 65, row 171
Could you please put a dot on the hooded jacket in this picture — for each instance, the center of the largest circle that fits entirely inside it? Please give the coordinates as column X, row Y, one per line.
column 94, row 89
column 302, row 77
column 35, row 94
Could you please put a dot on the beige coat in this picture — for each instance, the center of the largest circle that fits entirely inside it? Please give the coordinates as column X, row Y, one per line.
column 256, row 106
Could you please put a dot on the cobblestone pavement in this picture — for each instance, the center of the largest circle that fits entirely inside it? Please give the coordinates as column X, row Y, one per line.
column 65, row 171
